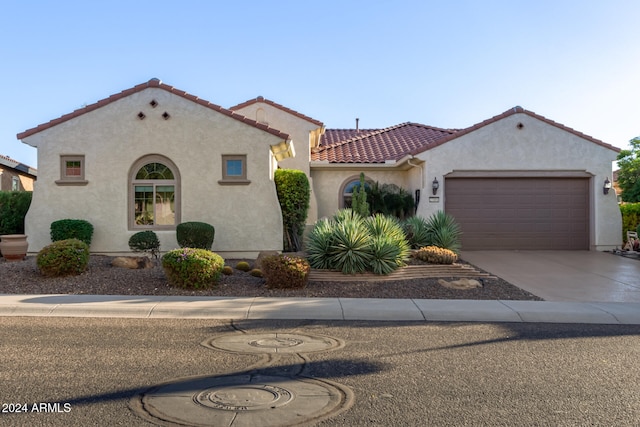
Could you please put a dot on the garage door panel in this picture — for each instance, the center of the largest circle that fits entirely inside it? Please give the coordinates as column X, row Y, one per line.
column 520, row 213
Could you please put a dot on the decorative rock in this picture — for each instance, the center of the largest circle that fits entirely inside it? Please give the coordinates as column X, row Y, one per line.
column 132, row 262
column 460, row 284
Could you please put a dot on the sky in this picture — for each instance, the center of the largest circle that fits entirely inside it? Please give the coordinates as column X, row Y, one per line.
column 445, row 63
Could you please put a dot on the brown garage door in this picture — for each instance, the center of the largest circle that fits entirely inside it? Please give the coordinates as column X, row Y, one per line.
column 520, row 213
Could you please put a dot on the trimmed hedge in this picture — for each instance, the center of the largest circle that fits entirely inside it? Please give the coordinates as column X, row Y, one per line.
column 195, row 234
column 64, row 229
column 13, row 208
column 294, row 193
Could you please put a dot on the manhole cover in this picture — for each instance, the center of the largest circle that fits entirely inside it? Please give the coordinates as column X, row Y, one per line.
column 243, row 400
column 273, row 343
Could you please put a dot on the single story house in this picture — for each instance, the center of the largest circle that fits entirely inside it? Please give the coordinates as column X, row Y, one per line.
column 16, row 176
column 153, row 156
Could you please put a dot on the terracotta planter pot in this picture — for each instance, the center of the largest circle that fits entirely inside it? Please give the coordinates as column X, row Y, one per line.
column 14, row 246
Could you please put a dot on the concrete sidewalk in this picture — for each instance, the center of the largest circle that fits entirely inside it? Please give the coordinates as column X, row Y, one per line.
column 319, row 309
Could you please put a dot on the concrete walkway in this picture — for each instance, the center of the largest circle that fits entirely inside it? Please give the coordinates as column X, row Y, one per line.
column 579, row 276
column 318, row 309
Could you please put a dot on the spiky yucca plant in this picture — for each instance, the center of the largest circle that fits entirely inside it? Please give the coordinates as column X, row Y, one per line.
column 352, row 244
column 417, row 232
column 444, row 231
column 350, row 250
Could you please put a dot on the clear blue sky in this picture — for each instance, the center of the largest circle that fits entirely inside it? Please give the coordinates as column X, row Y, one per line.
column 442, row 63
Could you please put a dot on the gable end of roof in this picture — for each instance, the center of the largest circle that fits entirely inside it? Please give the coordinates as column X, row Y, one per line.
column 510, row 112
column 153, row 83
column 261, row 99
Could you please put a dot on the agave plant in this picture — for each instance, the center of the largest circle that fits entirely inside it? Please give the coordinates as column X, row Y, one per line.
column 417, row 232
column 319, row 244
column 444, row 231
column 352, row 244
column 350, row 250
column 390, row 248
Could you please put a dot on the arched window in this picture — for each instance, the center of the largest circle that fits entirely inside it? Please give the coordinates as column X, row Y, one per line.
column 346, row 193
column 154, row 193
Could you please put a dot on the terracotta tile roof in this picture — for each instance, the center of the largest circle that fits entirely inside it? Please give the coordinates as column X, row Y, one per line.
column 278, row 106
column 153, row 83
column 510, row 112
column 376, row 145
column 14, row 164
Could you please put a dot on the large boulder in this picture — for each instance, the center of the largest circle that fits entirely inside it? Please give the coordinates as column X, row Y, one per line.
column 132, row 262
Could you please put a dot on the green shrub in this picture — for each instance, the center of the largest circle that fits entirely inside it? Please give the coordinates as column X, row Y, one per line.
column 145, row 241
column 13, row 208
column 243, row 266
column 256, row 272
column 359, row 198
column 630, row 218
column 389, row 247
column 227, row 270
column 416, row 231
column 64, row 257
column 195, row 234
column 64, row 229
column 283, row 271
column 294, row 193
column 353, row 244
column 192, row 267
column 444, row 231
column 436, row 255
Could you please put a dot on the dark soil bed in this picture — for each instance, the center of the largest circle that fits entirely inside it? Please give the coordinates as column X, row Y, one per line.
column 102, row 279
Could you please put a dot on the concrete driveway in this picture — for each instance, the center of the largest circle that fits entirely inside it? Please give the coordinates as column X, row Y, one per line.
column 584, row 276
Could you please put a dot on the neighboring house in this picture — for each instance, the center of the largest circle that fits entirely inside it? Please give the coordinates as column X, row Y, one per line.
column 16, row 176
column 153, row 156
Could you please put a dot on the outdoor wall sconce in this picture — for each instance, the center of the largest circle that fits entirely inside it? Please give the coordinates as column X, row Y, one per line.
column 435, row 185
column 607, row 186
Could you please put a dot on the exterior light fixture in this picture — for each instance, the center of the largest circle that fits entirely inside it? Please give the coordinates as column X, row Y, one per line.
column 435, row 185
column 607, row 186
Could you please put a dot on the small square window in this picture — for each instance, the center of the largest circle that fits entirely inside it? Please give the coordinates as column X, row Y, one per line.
column 71, row 170
column 234, row 169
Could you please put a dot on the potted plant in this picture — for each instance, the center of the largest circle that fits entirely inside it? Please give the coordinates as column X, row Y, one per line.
column 14, row 246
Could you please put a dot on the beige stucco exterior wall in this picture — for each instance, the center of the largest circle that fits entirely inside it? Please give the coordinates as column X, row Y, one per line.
column 247, row 218
column 6, row 180
column 537, row 146
column 299, row 130
column 328, row 182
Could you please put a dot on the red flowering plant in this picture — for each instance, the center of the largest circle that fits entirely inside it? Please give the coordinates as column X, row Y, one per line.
column 284, row 271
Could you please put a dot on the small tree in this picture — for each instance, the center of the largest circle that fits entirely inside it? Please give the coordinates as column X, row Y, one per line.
column 629, row 174
column 294, row 194
column 359, row 199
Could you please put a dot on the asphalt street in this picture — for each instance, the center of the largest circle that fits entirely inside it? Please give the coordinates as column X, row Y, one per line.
column 91, row 371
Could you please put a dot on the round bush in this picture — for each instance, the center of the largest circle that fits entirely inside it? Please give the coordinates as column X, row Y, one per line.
column 227, row 270
column 243, row 266
column 145, row 241
column 195, row 234
column 283, row 271
column 192, row 268
column 64, row 257
column 64, row 229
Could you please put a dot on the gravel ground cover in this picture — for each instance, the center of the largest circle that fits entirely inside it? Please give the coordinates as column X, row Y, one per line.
column 103, row 279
